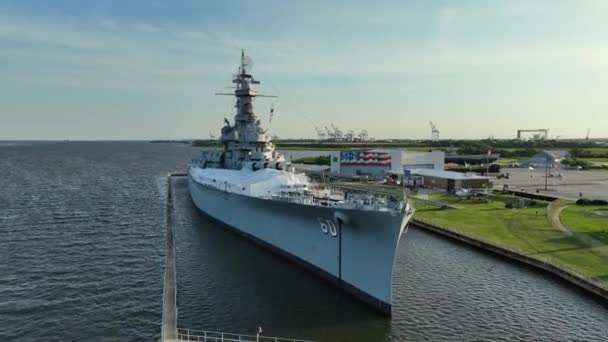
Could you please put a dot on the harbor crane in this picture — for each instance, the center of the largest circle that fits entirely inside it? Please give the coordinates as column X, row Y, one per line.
column 350, row 135
column 330, row 134
column 320, row 134
column 363, row 136
column 434, row 132
column 337, row 132
column 334, row 133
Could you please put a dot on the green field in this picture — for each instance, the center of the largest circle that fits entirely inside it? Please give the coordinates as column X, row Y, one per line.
column 526, row 230
column 587, row 219
column 596, row 160
column 381, row 189
column 598, row 150
column 315, row 160
column 505, row 161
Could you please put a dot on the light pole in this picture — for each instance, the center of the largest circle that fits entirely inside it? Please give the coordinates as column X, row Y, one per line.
column 546, row 171
column 488, row 163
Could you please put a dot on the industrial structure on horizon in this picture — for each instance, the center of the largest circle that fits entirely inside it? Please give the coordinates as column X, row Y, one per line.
column 539, row 134
column 434, row 132
column 333, row 133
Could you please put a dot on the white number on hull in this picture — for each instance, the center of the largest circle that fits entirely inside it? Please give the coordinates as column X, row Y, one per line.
column 328, row 226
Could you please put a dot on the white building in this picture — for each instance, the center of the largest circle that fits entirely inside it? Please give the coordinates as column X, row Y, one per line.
column 378, row 162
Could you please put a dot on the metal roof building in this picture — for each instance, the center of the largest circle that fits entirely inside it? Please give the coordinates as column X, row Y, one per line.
column 446, row 180
column 547, row 158
column 473, row 159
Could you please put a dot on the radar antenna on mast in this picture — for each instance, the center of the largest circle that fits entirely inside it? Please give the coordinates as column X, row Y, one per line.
column 244, row 77
column 246, row 64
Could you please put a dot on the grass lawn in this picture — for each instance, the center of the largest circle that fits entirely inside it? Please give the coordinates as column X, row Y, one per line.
column 597, row 150
column 381, row 189
column 587, row 219
column 526, row 230
column 596, row 160
column 315, row 160
column 505, row 161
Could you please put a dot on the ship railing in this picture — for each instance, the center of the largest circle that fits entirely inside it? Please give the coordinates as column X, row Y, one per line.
column 356, row 201
column 216, row 336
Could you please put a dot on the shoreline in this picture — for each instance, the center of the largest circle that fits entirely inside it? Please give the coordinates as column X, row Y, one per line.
column 563, row 273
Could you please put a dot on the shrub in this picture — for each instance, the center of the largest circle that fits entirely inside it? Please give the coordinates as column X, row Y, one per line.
column 583, row 201
column 508, row 205
column 599, row 202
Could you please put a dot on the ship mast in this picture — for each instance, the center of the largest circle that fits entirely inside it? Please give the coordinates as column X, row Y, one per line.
column 245, row 140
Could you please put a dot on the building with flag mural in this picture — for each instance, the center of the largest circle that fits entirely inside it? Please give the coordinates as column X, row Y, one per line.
column 376, row 163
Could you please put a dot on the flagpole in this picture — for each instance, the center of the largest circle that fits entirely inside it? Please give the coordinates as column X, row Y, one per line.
column 488, row 163
column 546, row 171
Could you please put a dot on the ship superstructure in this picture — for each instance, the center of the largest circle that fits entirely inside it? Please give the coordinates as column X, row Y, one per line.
column 349, row 239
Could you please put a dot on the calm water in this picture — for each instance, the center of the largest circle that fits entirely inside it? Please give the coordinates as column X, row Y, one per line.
column 81, row 256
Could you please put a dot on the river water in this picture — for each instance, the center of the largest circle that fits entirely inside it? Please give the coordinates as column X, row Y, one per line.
column 81, row 257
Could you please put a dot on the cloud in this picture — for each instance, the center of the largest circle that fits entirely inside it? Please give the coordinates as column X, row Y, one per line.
column 406, row 59
column 108, row 24
column 110, row 56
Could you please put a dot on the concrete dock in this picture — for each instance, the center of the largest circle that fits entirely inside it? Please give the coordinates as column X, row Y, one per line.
column 169, row 320
column 169, row 330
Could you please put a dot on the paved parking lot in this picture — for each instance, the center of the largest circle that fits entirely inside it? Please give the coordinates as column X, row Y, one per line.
column 592, row 184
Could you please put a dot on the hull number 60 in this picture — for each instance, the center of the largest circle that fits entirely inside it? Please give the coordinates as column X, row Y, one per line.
column 328, row 226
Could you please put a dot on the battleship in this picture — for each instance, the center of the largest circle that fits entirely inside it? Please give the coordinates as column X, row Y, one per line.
column 350, row 239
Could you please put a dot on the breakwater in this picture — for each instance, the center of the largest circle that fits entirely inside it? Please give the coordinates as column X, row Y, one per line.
column 169, row 318
column 561, row 272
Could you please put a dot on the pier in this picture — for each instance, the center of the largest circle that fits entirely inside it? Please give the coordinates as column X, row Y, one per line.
column 169, row 321
column 169, row 329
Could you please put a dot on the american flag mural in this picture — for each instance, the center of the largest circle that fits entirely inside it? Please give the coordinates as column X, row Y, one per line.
column 365, row 158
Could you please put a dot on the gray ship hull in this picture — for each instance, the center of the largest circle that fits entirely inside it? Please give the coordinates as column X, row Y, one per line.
column 357, row 255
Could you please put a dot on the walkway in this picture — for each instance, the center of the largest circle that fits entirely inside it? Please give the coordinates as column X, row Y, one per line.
column 169, row 323
column 553, row 215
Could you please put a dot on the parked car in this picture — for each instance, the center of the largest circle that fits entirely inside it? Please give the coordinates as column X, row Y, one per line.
column 505, row 175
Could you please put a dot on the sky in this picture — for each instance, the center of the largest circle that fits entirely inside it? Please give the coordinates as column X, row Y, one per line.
column 147, row 69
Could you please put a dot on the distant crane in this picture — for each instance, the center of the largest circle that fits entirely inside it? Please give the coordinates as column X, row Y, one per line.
column 350, row 135
column 434, row 132
column 330, row 134
column 320, row 134
column 334, row 133
column 337, row 132
column 363, row 136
